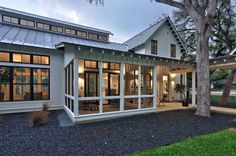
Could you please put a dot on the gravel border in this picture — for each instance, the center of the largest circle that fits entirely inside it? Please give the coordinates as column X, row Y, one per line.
column 112, row 137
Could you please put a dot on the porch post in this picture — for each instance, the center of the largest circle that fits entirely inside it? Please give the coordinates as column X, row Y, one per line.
column 100, row 87
column 122, row 87
column 185, row 83
column 155, row 87
column 139, row 87
column 76, row 86
column 194, row 88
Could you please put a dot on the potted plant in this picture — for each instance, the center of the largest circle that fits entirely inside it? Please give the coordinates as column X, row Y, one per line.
column 4, row 79
column 180, row 88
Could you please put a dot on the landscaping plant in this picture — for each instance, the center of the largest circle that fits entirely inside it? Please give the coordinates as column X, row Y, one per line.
column 41, row 117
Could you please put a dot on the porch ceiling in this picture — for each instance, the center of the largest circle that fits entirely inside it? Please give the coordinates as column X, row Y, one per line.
column 223, row 62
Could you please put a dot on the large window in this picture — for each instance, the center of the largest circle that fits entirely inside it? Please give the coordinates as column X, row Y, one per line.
column 21, row 84
column 146, row 80
column 172, row 50
column 4, row 84
column 131, row 79
column 41, row 84
column 154, row 46
column 24, row 84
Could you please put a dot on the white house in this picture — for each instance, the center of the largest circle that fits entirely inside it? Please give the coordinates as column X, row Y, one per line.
column 77, row 68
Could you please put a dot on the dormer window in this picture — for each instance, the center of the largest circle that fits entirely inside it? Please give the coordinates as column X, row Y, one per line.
column 82, row 33
column 26, row 23
column 154, row 46
column 43, row 26
column 172, row 50
column 93, row 36
column 10, row 19
column 70, row 31
column 56, row 29
column 102, row 38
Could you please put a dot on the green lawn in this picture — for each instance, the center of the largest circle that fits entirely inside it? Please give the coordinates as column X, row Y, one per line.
column 221, row 143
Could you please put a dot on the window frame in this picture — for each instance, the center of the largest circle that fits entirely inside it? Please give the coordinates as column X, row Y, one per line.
column 11, row 17
column 155, row 42
column 27, row 25
column 171, row 52
column 31, row 84
column 31, row 58
column 9, row 55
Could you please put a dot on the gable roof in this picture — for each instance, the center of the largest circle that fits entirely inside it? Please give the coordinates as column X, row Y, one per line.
column 144, row 36
column 14, row 35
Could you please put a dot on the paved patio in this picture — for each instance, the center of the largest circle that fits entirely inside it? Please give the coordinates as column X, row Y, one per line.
column 112, row 137
column 168, row 106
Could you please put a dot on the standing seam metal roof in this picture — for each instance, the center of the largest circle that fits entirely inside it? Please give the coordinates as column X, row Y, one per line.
column 10, row 34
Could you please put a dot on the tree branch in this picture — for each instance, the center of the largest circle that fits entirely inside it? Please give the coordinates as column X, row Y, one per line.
column 172, row 3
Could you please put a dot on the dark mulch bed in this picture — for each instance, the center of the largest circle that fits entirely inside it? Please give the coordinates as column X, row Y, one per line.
column 225, row 106
column 112, row 137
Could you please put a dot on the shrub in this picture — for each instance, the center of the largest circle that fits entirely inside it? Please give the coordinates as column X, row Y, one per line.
column 41, row 117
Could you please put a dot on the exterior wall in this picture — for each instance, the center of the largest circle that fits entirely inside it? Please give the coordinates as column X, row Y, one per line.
column 69, row 55
column 164, row 38
column 56, row 81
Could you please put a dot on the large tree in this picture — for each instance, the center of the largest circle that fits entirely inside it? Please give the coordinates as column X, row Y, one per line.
column 202, row 12
column 221, row 41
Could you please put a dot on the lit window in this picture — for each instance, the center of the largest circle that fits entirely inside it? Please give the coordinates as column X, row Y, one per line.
column 21, row 84
column 37, row 59
column 90, row 64
column 114, row 66
column 4, row 57
column 21, row 58
column 4, row 84
column 41, row 84
column 105, row 65
column 173, row 50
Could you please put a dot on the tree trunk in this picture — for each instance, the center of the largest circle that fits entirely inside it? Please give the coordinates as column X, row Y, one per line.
column 203, row 80
column 228, row 87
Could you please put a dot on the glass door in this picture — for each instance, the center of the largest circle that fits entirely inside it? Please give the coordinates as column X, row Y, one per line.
column 91, row 84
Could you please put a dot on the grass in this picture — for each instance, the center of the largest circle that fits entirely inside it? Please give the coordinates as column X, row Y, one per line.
column 214, row 99
column 215, row 144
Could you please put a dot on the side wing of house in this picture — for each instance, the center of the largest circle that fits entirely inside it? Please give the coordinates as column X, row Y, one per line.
column 160, row 40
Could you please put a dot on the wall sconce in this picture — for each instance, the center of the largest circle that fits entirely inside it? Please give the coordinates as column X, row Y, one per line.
column 172, row 75
column 165, row 78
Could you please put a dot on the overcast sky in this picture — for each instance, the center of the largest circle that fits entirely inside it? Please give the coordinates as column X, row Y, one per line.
column 124, row 18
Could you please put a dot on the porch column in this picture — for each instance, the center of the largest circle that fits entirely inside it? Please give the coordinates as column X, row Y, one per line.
column 185, row 83
column 194, row 88
column 122, row 87
column 100, row 87
column 155, row 87
column 76, row 87
column 139, row 87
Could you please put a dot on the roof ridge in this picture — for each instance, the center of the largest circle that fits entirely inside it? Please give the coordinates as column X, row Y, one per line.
column 147, row 28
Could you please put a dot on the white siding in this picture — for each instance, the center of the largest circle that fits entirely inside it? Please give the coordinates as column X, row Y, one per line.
column 164, row 38
column 56, row 87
